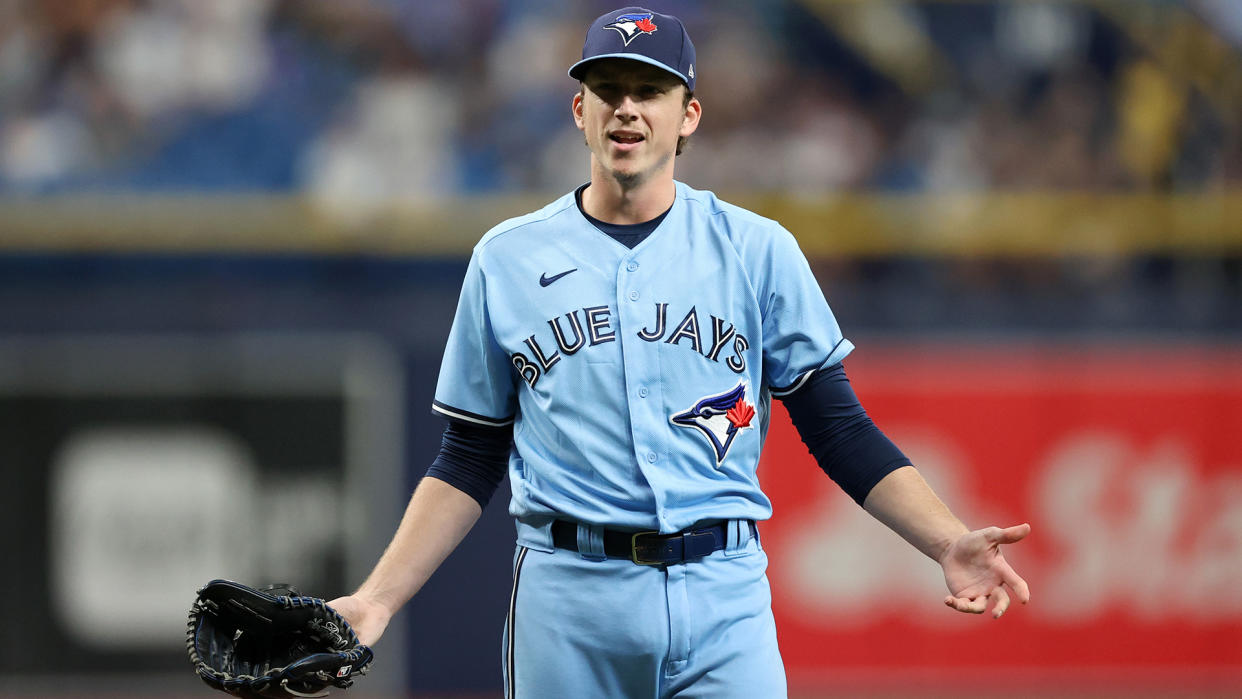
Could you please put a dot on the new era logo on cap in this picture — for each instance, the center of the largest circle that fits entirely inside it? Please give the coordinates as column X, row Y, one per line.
column 641, row 35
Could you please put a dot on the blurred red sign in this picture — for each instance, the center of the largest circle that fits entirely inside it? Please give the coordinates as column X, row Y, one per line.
column 1127, row 464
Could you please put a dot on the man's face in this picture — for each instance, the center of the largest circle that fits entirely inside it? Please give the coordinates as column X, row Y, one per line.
column 632, row 115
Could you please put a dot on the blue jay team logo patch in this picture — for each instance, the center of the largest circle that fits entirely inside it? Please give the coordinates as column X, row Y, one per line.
column 631, row 25
column 719, row 418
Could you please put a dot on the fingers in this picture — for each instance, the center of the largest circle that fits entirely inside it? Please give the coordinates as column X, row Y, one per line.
column 978, row 605
column 1009, row 535
column 969, row 605
column 1002, row 602
column 1017, row 584
column 977, row 560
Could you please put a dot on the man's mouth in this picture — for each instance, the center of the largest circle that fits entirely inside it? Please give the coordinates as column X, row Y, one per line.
column 626, row 138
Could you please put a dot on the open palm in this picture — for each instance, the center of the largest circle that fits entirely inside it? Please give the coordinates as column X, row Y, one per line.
column 977, row 574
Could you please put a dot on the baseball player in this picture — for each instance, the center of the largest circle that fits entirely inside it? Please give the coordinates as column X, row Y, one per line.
column 616, row 353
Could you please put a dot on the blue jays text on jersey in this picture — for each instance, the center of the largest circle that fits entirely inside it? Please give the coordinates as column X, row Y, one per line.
column 639, row 383
column 570, row 337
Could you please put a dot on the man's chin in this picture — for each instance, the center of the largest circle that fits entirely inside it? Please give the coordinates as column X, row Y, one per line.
column 628, row 179
column 629, row 174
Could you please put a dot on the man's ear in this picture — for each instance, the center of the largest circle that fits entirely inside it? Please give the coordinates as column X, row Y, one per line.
column 576, row 107
column 690, row 120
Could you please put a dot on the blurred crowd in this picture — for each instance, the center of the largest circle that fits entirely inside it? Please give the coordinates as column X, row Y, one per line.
column 375, row 99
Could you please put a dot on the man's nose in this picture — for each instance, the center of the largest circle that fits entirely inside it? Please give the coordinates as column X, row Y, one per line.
column 626, row 109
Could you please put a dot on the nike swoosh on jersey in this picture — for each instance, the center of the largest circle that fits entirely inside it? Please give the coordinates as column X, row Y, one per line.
column 545, row 280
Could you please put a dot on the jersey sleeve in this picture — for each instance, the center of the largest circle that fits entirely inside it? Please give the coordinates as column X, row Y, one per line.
column 476, row 381
column 800, row 333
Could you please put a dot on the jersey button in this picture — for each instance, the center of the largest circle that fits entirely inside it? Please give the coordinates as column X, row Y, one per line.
column 633, row 266
column 642, row 392
column 633, row 295
column 651, row 457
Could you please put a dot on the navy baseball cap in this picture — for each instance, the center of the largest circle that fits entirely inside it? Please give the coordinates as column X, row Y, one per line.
column 641, row 35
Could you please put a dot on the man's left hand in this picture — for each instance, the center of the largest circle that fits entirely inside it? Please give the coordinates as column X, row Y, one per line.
column 977, row 574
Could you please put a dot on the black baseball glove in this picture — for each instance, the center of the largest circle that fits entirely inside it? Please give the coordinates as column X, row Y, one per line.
column 271, row 643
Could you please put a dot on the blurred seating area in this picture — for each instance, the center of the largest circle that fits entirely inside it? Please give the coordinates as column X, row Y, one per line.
column 381, row 99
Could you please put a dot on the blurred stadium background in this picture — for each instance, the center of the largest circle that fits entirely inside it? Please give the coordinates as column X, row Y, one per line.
column 232, row 234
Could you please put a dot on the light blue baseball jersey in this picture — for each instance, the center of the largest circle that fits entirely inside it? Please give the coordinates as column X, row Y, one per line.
column 638, row 380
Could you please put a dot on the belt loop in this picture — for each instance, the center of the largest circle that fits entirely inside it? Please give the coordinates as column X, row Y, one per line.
column 591, row 542
column 738, row 535
column 535, row 533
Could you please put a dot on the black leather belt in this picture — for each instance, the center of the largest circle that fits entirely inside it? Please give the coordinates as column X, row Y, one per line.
column 651, row 548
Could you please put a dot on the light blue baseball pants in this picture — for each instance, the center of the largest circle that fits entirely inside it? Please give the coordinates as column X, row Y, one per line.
column 581, row 626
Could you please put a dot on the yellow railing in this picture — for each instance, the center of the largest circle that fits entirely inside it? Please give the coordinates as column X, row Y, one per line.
column 855, row 225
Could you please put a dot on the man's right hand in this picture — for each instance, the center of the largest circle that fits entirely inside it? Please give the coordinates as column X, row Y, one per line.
column 368, row 618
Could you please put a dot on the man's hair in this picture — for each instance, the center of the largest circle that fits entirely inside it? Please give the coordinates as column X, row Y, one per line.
column 682, row 141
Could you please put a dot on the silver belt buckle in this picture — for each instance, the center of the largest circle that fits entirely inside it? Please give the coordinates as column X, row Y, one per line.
column 634, row 550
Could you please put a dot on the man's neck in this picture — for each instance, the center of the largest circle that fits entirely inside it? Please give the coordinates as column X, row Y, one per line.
column 608, row 200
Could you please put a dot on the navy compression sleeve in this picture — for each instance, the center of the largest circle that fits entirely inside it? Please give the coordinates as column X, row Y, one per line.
column 473, row 458
column 840, row 434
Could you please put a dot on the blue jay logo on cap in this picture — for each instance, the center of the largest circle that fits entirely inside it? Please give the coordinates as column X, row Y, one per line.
column 631, row 25
column 719, row 418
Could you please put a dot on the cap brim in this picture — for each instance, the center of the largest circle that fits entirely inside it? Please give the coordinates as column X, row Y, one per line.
column 577, row 70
